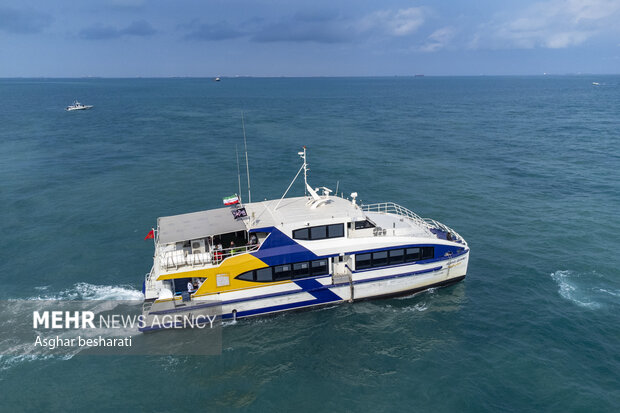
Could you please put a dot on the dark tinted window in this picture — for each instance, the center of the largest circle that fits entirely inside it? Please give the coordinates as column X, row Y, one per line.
column 428, row 253
column 301, row 269
column 318, row 232
column 318, row 267
column 246, row 276
column 335, row 230
column 397, row 256
column 363, row 224
column 379, row 258
column 301, row 233
column 264, row 274
column 412, row 254
column 282, row 272
column 362, row 261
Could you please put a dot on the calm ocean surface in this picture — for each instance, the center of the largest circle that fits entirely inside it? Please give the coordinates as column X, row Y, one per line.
column 527, row 169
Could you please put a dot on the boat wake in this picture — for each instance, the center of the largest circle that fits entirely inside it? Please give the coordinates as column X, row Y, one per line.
column 590, row 290
column 86, row 291
column 15, row 352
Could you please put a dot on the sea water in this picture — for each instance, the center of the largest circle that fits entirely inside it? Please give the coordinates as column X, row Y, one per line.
column 527, row 169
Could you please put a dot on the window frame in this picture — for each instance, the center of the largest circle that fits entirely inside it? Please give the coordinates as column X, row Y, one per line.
column 297, row 233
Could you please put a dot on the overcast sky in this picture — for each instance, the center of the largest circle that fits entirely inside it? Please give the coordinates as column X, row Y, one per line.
column 61, row 38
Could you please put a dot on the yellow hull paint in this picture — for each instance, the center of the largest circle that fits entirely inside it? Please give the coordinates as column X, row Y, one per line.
column 232, row 267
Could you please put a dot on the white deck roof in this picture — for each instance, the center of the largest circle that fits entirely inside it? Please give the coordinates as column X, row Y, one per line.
column 196, row 225
column 295, row 211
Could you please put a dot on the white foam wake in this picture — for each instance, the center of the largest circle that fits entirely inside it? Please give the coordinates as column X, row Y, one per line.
column 86, row 291
column 588, row 290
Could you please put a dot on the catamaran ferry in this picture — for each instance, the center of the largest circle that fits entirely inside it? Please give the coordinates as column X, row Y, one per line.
column 272, row 256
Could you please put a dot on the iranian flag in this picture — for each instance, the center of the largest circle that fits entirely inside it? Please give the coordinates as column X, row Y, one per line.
column 231, row 200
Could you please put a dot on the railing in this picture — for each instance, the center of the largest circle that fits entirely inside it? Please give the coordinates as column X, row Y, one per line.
column 149, row 282
column 178, row 258
column 393, row 208
column 428, row 223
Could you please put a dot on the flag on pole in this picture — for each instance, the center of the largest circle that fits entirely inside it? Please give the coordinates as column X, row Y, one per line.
column 231, row 200
column 150, row 235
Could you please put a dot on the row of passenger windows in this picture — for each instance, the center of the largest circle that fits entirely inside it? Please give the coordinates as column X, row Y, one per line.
column 286, row 271
column 320, row 232
column 381, row 258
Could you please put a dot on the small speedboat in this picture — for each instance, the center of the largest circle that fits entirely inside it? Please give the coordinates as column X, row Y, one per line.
column 78, row 106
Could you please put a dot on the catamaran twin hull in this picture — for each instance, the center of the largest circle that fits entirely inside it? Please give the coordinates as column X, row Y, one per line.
column 300, row 253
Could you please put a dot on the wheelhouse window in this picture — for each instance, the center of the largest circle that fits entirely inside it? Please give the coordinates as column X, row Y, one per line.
column 335, row 230
column 319, row 232
column 303, row 234
column 364, row 224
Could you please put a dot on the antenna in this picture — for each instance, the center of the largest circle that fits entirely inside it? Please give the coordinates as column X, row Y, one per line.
column 305, row 166
column 247, row 165
column 238, row 173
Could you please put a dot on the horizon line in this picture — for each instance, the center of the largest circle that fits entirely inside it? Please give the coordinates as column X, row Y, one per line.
column 212, row 77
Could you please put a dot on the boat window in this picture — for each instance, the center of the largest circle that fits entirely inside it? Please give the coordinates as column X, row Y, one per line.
column 364, row 224
column 412, row 254
column 428, row 253
column 286, row 271
column 362, row 261
column 264, row 274
column 318, row 267
column 303, row 233
column 282, row 272
column 396, row 256
column 318, row 232
column 379, row 258
column 301, row 269
column 246, row 276
column 335, row 230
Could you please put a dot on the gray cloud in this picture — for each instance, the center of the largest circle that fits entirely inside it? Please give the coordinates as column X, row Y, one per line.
column 100, row 32
column 551, row 24
column 22, row 21
column 318, row 26
column 216, row 31
column 139, row 28
column 313, row 26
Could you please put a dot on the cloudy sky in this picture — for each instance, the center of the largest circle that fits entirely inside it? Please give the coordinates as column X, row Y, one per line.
column 61, row 38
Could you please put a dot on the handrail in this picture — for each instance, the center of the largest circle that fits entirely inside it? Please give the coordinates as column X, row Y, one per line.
column 428, row 223
column 217, row 256
column 177, row 258
column 394, row 208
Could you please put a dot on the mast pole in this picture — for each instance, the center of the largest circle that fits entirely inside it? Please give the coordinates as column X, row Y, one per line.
column 305, row 173
column 247, row 165
column 238, row 174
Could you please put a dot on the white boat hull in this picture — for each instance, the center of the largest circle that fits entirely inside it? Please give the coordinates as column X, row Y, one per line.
column 327, row 289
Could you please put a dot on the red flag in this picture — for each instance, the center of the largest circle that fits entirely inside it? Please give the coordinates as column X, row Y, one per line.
column 150, row 235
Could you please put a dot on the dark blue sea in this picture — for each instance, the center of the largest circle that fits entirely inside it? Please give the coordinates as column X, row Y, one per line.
column 526, row 169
